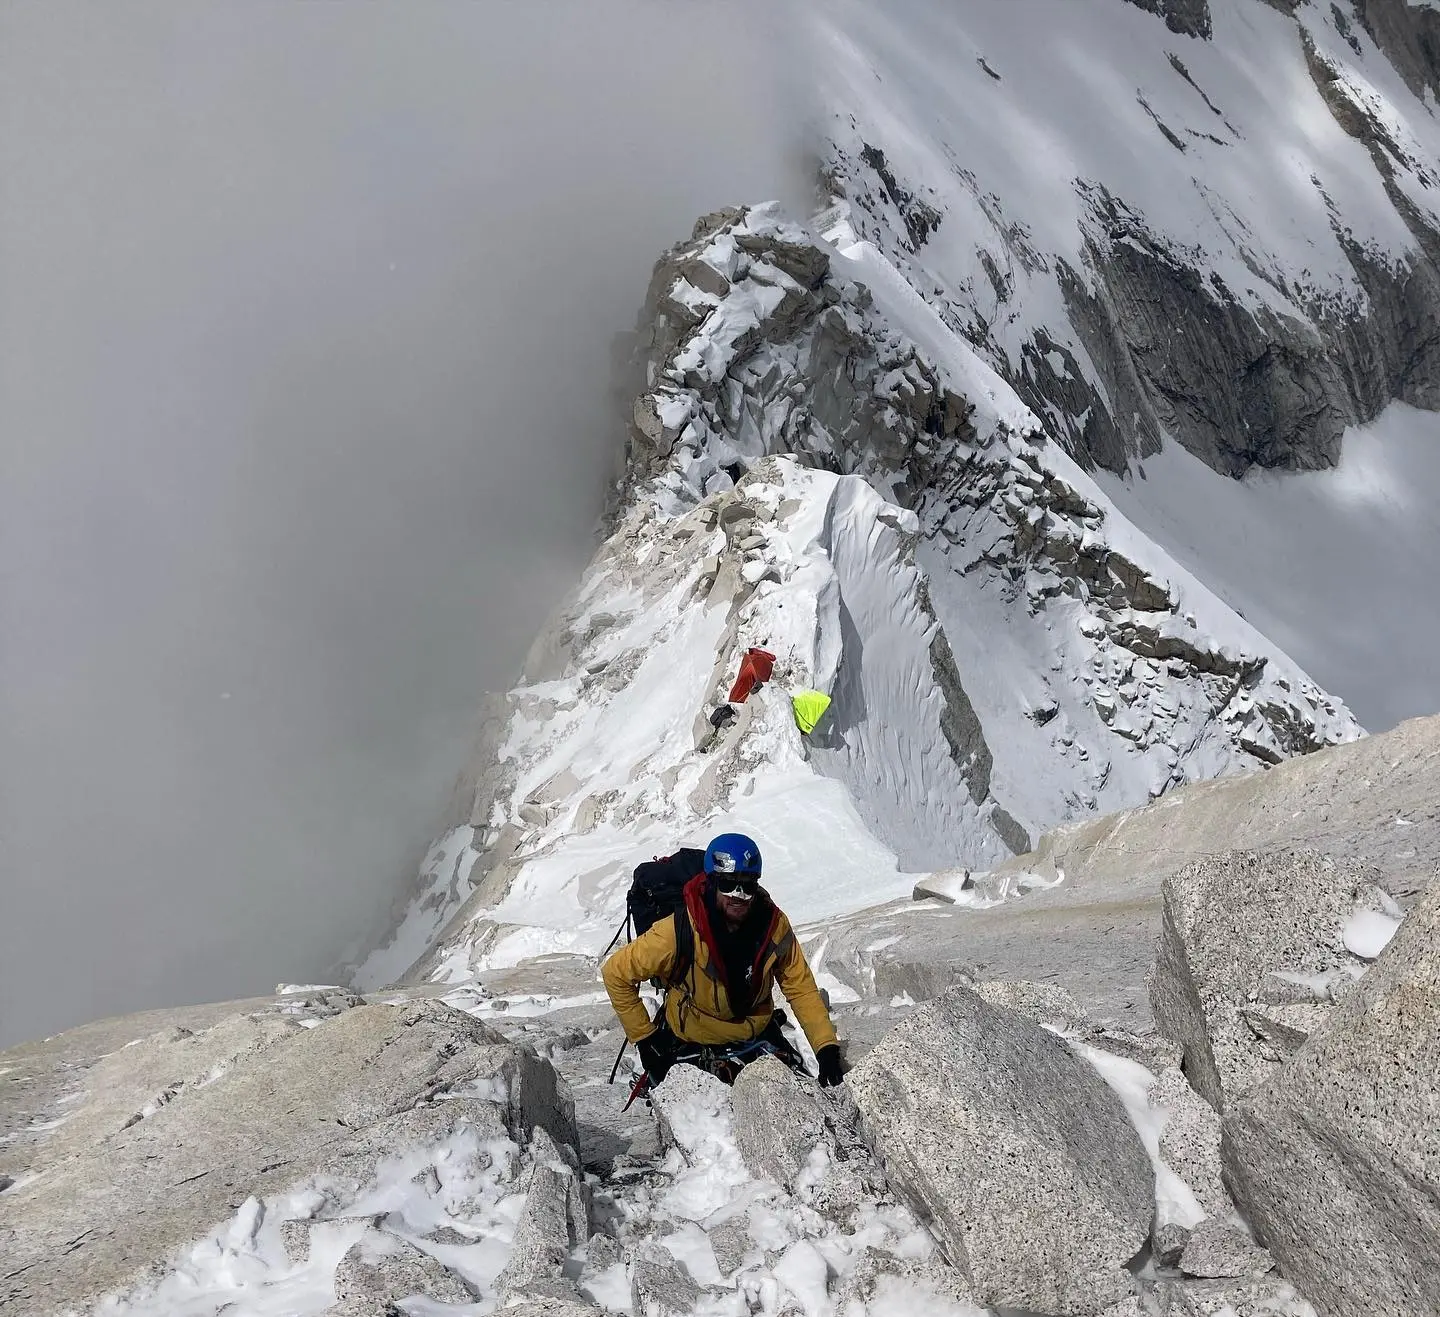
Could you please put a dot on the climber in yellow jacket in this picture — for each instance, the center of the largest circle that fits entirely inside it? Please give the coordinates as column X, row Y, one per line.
column 719, row 956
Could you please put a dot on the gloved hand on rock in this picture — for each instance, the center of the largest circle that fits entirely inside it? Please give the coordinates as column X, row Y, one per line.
column 655, row 1052
column 832, row 1066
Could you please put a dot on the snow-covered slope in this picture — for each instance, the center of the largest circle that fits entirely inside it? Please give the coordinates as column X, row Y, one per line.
column 1207, row 225
column 1004, row 649
column 1218, row 233
column 1337, row 566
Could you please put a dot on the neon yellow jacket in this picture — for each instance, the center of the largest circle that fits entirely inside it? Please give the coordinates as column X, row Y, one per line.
column 698, row 1010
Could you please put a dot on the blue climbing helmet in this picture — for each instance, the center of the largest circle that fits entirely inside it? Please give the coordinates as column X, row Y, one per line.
column 732, row 852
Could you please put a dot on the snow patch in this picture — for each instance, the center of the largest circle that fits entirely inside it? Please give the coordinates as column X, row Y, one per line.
column 1368, row 932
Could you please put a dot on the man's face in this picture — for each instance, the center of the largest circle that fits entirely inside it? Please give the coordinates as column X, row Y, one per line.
column 734, row 895
column 734, row 908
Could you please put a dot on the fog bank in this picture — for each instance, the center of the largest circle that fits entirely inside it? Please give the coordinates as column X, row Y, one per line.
column 303, row 360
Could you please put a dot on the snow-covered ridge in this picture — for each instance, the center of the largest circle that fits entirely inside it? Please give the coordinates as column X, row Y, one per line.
column 819, row 466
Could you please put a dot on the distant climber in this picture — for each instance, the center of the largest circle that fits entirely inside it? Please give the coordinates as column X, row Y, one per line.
column 755, row 670
column 718, row 957
column 809, row 707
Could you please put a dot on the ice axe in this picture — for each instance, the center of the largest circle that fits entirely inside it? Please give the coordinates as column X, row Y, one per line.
column 614, row 1069
column 640, row 1089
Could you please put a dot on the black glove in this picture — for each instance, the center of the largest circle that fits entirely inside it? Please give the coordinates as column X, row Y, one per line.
column 655, row 1054
column 832, row 1066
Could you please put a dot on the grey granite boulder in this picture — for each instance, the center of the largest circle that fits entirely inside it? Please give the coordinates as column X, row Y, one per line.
column 660, row 1286
column 1263, row 1296
column 1220, row 1250
column 1189, row 1144
column 550, row 1307
column 1130, row 1306
column 554, row 1220
column 1230, row 922
column 1336, row 1160
column 99, row 1075
column 1167, row 1241
column 382, row 1266
column 1190, row 1140
column 685, row 1103
column 730, row 1241
column 365, row 1306
column 930, row 1277
column 1016, row 1153
column 778, row 1120
column 603, row 1252
column 1045, row 1003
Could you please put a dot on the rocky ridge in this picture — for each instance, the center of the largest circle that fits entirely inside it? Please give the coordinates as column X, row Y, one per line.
column 469, row 1149
column 915, row 484
column 828, row 376
column 318, row 1147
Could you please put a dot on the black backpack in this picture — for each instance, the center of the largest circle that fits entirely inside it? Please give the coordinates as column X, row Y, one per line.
column 657, row 891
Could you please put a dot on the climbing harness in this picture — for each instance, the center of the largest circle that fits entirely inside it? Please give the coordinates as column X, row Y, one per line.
column 724, row 1062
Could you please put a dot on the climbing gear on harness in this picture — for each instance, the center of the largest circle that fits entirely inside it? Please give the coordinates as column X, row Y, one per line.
column 724, row 1062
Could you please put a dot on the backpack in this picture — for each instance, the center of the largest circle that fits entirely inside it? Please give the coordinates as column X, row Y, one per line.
column 657, row 891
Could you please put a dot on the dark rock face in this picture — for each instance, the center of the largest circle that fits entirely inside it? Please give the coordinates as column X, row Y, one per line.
column 1409, row 36
column 1232, row 388
column 921, row 219
column 1189, row 18
column 1178, row 353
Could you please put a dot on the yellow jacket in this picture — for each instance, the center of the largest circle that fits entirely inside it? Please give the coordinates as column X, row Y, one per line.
column 698, row 1010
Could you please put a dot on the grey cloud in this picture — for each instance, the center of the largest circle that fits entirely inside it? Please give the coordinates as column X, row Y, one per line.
column 303, row 365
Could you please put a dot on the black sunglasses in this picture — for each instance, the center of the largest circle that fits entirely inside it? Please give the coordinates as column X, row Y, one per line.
column 740, row 885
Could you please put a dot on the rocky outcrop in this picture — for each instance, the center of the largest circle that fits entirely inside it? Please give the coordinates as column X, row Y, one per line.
column 1237, row 388
column 333, row 1099
column 1190, row 18
column 1188, row 1145
column 1376, row 802
column 1222, row 1250
column 1268, row 1296
column 554, row 1220
column 382, row 1269
column 768, row 365
column 1336, row 1159
column 687, row 1105
column 64, row 1092
column 1230, row 923
column 778, row 1124
column 660, row 1286
column 822, row 375
column 1409, row 35
column 1019, row 1156
column 549, row 1308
